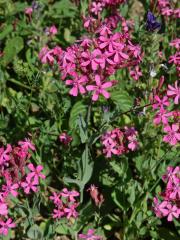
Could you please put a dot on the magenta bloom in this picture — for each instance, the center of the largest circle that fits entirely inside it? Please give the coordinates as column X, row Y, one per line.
column 77, row 82
column 29, row 185
column 94, row 59
column 28, row 11
column 173, row 135
column 3, row 209
column 99, row 88
column 27, row 144
column 11, row 188
column 58, row 213
column 5, row 155
column 174, row 92
column 90, row 235
column 65, row 138
column 173, row 211
column 69, row 194
column 96, row 8
column 36, row 172
column 162, row 116
column 71, row 211
column 53, row 30
column 175, row 43
column 5, row 226
column 160, row 103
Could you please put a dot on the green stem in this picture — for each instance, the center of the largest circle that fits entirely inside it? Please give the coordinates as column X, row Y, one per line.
column 20, row 84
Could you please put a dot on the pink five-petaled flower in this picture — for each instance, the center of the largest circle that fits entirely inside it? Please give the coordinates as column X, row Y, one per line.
column 71, row 210
column 58, row 213
column 3, row 209
column 27, row 144
column 56, row 199
column 160, row 103
column 110, row 42
column 96, row 8
column 36, row 172
column 77, row 82
column 10, row 188
column 99, row 88
column 174, row 92
column 93, row 58
column 4, row 226
column 90, row 235
column 69, row 194
column 162, row 116
column 172, row 211
column 173, row 135
column 175, row 43
column 29, row 185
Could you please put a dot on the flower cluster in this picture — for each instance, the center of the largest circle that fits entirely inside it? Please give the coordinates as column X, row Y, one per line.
column 87, row 65
column 119, row 141
column 165, row 9
column 170, row 205
column 16, row 174
column 90, row 235
column 65, row 204
column 169, row 119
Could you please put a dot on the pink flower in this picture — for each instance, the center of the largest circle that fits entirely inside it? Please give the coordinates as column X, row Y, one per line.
column 162, row 116
column 90, row 235
column 69, row 194
column 172, row 212
column 65, row 138
column 28, row 11
column 94, row 59
column 29, row 185
column 46, row 55
column 156, row 207
column 174, row 92
column 133, row 143
column 96, row 8
column 99, row 88
column 175, row 58
column 56, row 198
column 36, row 172
column 135, row 73
column 11, row 188
column 27, row 144
column 3, row 209
column 175, row 43
column 71, row 211
column 5, row 226
column 53, row 30
column 77, row 82
column 5, row 155
column 173, row 135
column 58, row 213
column 111, row 42
column 160, row 103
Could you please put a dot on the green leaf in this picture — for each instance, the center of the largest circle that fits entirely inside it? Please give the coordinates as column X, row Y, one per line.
column 34, row 232
column 122, row 99
column 12, row 48
column 62, row 229
column 79, row 108
column 5, row 31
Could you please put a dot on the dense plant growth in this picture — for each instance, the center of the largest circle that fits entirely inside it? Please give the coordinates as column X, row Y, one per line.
column 89, row 119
